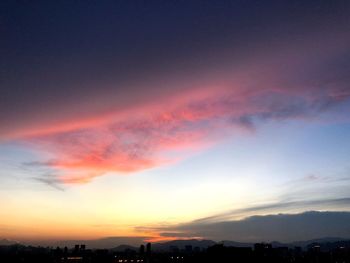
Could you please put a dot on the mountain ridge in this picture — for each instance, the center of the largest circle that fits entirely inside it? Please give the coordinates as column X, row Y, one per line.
column 182, row 243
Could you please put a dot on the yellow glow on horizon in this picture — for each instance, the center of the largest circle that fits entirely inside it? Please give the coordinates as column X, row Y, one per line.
column 112, row 207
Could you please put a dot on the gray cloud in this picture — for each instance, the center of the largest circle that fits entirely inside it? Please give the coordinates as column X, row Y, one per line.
column 50, row 180
column 265, row 208
column 281, row 227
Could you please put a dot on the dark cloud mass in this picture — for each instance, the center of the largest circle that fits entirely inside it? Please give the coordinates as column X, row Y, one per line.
column 281, row 227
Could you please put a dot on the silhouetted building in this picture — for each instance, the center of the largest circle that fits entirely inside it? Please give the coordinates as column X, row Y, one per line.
column 262, row 246
column 142, row 249
column 188, row 249
column 337, row 252
column 315, row 248
column 148, row 248
column 76, row 248
column 174, row 249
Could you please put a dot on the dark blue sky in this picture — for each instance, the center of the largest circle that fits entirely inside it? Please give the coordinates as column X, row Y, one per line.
column 52, row 51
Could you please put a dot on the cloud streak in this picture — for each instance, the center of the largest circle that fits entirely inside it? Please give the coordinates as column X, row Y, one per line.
column 50, row 181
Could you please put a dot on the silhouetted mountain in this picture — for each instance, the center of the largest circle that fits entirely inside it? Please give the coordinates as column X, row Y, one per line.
column 120, row 244
column 328, row 246
column 304, row 244
column 108, row 242
column 7, row 242
column 318, row 241
column 228, row 243
column 181, row 244
column 123, row 248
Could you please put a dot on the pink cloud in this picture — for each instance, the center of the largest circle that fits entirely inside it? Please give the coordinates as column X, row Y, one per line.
column 124, row 146
column 157, row 135
column 192, row 114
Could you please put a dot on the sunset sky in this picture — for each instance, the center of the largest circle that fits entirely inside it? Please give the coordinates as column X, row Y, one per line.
column 163, row 119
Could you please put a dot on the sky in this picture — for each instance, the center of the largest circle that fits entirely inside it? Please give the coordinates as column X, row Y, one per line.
column 160, row 120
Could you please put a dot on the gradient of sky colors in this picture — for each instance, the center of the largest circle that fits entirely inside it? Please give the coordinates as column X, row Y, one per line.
column 150, row 119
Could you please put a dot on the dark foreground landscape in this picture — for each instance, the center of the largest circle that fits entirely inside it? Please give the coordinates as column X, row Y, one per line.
column 184, row 251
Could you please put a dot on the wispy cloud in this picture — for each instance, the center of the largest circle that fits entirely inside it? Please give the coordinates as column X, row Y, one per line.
column 51, row 181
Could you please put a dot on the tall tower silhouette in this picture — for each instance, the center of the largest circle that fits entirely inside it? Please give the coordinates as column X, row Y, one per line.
column 142, row 249
column 148, row 252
